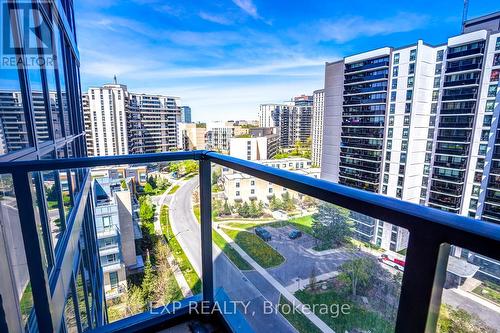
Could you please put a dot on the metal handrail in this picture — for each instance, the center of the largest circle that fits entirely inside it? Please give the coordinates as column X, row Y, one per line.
column 431, row 231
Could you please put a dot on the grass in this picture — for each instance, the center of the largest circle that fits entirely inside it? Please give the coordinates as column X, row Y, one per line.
column 357, row 318
column 188, row 177
column 297, row 319
column 26, row 302
column 173, row 189
column 185, row 266
column 302, row 223
column 489, row 291
column 231, row 253
column 196, row 211
column 256, row 248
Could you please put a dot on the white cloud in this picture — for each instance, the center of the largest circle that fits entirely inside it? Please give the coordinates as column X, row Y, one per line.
column 214, row 18
column 249, row 7
column 349, row 28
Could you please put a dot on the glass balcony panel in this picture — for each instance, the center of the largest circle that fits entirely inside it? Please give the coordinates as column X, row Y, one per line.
column 15, row 285
column 470, row 293
column 275, row 248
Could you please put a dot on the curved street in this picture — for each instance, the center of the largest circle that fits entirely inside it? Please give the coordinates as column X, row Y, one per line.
column 236, row 284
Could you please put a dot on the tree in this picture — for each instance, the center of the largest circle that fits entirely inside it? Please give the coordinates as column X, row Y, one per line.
column 51, row 193
column 357, row 273
column 146, row 210
column 275, row 203
column 123, row 184
column 332, row 225
column 288, row 204
column 215, row 177
column 134, row 301
column 226, row 209
column 252, row 210
column 148, row 285
column 244, row 210
column 148, row 188
column 152, row 181
column 162, row 183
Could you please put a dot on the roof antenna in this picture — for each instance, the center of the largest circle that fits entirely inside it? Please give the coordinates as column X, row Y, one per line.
column 464, row 13
column 114, row 78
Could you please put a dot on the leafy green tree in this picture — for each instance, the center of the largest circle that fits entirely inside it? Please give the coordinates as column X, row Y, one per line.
column 152, row 181
column 332, row 225
column 288, row 204
column 357, row 273
column 162, row 183
column 134, row 301
column 244, row 210
column 226, row 209
column 215, row 176
column 148, row 188
column 252, row 210
column 123, row 184
column 51, row 193
column 146, row 210
column 275, row 203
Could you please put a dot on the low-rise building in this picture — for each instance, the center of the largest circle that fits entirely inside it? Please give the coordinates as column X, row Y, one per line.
column 219, row 133
column 240, row 187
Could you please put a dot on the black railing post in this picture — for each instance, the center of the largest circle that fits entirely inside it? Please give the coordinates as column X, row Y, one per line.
column 424, row 258
column 34, row 257
column 206, row 229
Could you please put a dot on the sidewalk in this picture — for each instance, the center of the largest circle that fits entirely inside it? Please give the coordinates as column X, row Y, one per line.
column 288, row 295
column 300, row 283
column 478, row 299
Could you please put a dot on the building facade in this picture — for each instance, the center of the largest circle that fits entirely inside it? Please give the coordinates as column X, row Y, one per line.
column 191, row 136
column 118, row 122
column 317, row 126
column 219, row 133
column 259, row 144
column 418, row 123
column 48, row 260
column 186, row 114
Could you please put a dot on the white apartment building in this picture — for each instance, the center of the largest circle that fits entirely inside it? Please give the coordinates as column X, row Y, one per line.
column 259, row 144
column 118, row 122
column 240, row 187
column 317, row 126
column 219, row 133
column 190, row 136
column 419, row 123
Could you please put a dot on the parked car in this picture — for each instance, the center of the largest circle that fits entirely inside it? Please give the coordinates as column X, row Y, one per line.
column 295, row 234
column 263, row 233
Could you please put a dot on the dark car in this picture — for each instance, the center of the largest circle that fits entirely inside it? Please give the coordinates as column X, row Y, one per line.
column 263, row 233
column 295, row 234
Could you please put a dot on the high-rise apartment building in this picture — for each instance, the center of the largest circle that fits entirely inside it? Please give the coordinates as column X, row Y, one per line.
column 418, row 123
column 119, row 122
column 185, row 114
column 48, row 258
column 293, row 119
column 317, row 126
column 191, row 136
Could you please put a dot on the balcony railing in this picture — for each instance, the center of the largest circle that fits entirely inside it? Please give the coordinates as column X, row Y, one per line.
column 426, row 257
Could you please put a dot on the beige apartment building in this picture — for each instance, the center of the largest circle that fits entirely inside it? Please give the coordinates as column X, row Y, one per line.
column 191, row 136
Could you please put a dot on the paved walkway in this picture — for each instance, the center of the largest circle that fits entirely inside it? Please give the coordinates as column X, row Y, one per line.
column 301, row 283
column 477, row 299
column 288, row 295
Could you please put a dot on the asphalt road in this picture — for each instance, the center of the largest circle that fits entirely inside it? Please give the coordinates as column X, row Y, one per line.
column 237, row 285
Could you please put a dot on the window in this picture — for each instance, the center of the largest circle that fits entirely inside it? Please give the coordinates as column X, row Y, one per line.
column 394, row 83
column 492, row 90
column 430, row 133
column 407, row 107
column 496, row 60
column 391, row 121
column 435, row 95
column 432, row 121
column 399, row 194
column 387, row 167
column 392, row 108
column 389, row 144
column 404, row 145
column 402, row 158
column 106, row 221
column 406, row 121
column 238, row 185
column 400, row 181
column 494, row 75
column 410, row 81
column 485, row 134
column 473, row 204
column 480, row 163
column 425, row 181
column 411, row 69
column 437, row 82
column 429, row 146
column 426, row 169
column 487, row 120
column 113, row 279
column 237, row 193
column 423, row 193
column 393, row 96
column 386, row 178
column 497, row 46
column 388, row 156
column 252, row 183
column 402, row 169
column 475, row 190
column 437, row 71
column 434, row 108
column 252, row 191
column 409, row 95
column 395, row 71
column 390, row 132
column 270, row 190
column 413, row 55
column 428, row 157
column 405, row 133
column 482, row 149
column 490, row 105
column 396, row 59
column 439, row 55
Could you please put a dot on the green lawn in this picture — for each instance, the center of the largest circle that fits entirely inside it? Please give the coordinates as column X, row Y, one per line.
column 231, row 253
column 256, row 248
column 26, row 302
column 302, row 223
column 190, row 176
column 297, row 319
column 187, row 269
column 489, row 291
column 174, row 189
column 357, row 318
column 196, row 211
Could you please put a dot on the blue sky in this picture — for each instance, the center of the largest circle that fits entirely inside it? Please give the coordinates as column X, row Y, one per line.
column 225, row 57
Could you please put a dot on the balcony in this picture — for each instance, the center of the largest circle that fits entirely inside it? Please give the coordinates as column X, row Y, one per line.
column 370, row 65
column 425, row 263
column 365, row 78
column 478, row 50
column 463, row 82
column 464, row 67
